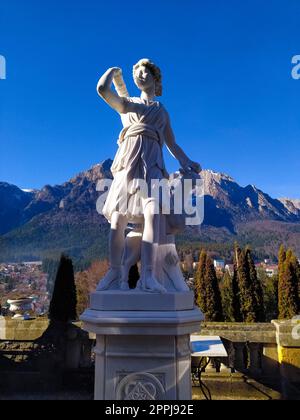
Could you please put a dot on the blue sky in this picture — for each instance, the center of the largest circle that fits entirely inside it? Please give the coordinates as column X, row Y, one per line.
column 227, row 85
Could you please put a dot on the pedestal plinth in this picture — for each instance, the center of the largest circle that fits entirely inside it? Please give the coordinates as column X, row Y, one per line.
column 143, row 344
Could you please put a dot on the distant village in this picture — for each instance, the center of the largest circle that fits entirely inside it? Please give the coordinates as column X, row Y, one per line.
column 23, row 288
column 267, row 266
column 24, row 292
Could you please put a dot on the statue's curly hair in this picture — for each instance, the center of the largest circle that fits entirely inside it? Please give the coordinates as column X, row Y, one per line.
column 156, row 72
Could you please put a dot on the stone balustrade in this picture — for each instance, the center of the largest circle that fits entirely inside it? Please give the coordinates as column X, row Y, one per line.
column 262, row 357
column 251, row 348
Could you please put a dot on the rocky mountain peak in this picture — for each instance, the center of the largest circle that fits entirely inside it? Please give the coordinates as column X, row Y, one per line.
column 226, row 202
column 293, row 205
column 216, row 176
column 95, row 173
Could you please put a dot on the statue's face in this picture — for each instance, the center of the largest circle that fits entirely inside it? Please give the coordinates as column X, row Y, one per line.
column 143, row 78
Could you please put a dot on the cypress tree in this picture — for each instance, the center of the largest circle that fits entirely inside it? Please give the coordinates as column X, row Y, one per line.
column 288, row 298
column 270, row 289
column 236, row 304
column 257, row 289
column 200, row 288
column 296, row 270
column 228, row 298
column 281, row 275
column 296, row 266
column 249, row 305
column 213, row 302
column 209, row 296
column 245, row 291
column 64, row 301
column 281, row 261
column 207, row 289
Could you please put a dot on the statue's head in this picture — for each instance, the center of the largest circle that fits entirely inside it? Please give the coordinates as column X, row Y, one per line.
column 145, row 74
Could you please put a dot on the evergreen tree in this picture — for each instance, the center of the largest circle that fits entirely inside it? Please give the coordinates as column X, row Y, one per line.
column 281, row 258
column 246, row 297
column 228, row 298
column 213, row 302
column 296, row 267
column 257, row 289
column 236, row 304
column 288, row 298
column 63, row 302
column 200, row 287
column 248, row 303
column 270, row 290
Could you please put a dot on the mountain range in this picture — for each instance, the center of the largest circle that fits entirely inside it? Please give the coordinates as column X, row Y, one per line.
column 42, row 223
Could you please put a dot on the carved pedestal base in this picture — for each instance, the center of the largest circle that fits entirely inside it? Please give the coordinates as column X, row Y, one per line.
column 143, row 355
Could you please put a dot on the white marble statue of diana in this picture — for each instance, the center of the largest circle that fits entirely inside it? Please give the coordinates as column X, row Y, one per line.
column 139, row 157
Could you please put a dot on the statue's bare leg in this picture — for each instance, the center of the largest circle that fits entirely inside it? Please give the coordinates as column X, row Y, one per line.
column 116, row 249
column 148, row 281
column 132, row 256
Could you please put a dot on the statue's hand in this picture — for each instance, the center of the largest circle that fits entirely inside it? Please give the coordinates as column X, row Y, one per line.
column 115, row 70
column 195, row 166
column 189, row 165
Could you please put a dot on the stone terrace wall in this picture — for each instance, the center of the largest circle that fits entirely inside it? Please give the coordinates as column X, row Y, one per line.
column 20, row 330
column 252, row 348
column 241, row 332
column 18, row 338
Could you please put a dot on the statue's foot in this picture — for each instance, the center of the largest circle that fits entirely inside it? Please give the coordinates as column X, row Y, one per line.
column 124, row 286
column 150, row 284
column 176, row 277
column 113, row 275
column 139, row 285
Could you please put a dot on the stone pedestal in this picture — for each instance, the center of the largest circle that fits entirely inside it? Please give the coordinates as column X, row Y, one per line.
column 143, row 344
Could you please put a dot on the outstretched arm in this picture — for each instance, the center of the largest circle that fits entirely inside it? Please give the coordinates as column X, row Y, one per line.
column 177, row 151
column 104, row 89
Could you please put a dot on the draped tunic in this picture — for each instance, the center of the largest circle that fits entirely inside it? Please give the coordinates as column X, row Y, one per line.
column 139, row 157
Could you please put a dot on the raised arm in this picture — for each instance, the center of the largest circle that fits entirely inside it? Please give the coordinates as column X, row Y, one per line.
column 105, row 91
column 176, row 151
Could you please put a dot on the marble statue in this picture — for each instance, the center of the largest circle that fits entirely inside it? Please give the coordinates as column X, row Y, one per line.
column 146, row 129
